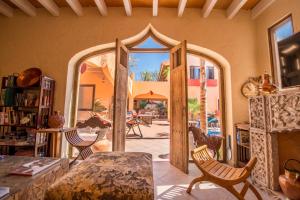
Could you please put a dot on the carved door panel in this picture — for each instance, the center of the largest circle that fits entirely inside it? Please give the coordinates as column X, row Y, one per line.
column 120, row 97
column 178, row 99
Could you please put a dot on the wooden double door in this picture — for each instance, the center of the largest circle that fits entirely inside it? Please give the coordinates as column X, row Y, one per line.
column 178, row 103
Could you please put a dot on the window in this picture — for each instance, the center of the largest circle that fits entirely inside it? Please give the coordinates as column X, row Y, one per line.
column 194, row 72
column 210, row 73
column 278, row 32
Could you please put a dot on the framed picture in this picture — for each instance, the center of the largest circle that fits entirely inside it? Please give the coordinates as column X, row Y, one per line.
column 86, row 97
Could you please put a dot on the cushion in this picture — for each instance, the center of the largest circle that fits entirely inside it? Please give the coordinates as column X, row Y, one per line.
column 107, row 175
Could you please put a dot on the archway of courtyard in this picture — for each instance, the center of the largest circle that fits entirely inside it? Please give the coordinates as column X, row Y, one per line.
column 71, row 109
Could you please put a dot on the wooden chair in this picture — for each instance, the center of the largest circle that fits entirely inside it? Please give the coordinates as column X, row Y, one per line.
column 83, row 146
column 134, row 122
column 221, row 174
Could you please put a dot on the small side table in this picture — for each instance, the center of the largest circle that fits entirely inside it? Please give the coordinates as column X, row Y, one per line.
column 55, row 140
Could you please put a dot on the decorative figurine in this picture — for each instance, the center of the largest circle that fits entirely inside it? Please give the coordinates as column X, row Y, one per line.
column 267, row 87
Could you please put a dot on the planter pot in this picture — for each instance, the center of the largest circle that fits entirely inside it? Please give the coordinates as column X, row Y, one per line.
column 290, row 182
column 56, row 121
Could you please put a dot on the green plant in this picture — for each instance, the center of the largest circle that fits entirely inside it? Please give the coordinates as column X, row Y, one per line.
column 149, row 76
column 143, row 104
column 166, row 72
column 98, row 107
column 193, row 106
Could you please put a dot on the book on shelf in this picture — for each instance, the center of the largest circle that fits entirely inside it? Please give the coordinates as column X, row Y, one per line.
column 9, row 116
column 34, row 167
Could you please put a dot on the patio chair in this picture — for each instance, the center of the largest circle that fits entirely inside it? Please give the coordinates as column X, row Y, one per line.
column 222, row 174
column 213, row 142
column 83, row 146
column 134, row 122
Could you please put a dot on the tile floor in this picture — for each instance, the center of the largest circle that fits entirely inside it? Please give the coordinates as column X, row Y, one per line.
column 171, row 183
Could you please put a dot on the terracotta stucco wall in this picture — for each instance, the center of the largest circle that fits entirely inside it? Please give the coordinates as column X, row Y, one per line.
column 278, row 10
column 104, row 90
column 49, row 42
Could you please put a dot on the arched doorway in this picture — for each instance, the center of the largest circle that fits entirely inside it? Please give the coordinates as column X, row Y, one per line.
column 72, row 81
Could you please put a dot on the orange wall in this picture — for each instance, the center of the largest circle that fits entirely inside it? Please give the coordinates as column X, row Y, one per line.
column 49, row 42
column 104, row 90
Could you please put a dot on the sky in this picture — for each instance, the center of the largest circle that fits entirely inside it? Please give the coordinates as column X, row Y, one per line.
column 147, row 61
column 284, row 31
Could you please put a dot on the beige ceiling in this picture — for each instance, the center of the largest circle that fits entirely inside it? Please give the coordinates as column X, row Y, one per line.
column 221, row 4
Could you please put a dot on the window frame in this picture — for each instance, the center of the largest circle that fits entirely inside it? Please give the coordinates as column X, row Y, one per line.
column 274, row 54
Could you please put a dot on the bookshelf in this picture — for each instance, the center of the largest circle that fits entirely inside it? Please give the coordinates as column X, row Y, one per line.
column 22, row 112
column 243, row 144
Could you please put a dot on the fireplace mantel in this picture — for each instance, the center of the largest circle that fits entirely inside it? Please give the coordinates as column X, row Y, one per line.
column 269, row 116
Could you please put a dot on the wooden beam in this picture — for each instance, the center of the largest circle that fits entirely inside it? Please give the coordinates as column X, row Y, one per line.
column 181, row 7
column 51, row 6
column 234, row 8
column 101, row 7
column 76, row 6
column 128, row 7
column 25, row 6
column 6, row 9
column 208, row 6
column 261, row 7
column 155, row 8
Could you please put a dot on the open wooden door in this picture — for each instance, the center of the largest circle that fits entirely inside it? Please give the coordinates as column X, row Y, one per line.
column 179, row 117
column 120, row 97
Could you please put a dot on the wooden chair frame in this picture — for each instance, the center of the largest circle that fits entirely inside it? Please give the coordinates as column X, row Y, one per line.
column 223, row 175
column 83, row 146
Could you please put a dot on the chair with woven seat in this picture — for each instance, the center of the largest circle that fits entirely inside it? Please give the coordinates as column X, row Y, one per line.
column 221, row 174
column 83, row 146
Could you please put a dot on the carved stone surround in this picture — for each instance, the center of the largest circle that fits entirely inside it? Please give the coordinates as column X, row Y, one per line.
column 270, row 115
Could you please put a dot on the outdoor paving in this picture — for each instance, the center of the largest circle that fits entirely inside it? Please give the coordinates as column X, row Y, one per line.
column 158, row 129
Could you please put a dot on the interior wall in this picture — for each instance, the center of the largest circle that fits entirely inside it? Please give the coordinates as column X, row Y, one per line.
column 278, row 10
column 49, row 42
column 90, row 77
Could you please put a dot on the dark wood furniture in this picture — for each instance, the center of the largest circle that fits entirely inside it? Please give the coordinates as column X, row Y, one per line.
column 22, row 111
column 29, row 187
column 222, row 174
column 242, row 144
column 213, row 142
column 131, row 123
column 83, row 146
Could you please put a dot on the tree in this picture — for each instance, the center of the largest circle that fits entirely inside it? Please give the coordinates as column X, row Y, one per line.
column 146, row 76
column 132, row 63
column 193, row 107
column 203, row 118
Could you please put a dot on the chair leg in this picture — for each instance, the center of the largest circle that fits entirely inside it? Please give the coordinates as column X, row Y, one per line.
column 199, row 179
column 128, row 130
column 140, row 131
column 253, row 189
column 234, row 192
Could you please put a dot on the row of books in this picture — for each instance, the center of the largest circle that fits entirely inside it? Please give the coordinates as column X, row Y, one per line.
column 9, row 116
column 27, row 99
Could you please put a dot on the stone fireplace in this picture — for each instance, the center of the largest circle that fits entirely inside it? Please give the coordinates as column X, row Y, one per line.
column 274, row 134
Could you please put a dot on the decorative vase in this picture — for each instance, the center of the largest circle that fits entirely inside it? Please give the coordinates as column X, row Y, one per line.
column 290, row 181
column 267, row 87
column 56, row 120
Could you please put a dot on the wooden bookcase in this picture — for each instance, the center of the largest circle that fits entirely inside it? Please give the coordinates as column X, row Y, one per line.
column 243, row 144
column 22, row 112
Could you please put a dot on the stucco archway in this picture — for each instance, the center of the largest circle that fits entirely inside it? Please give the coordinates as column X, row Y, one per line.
column 72, row 85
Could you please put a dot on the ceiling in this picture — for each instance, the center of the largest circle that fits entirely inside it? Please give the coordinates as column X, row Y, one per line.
column 221, row 4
